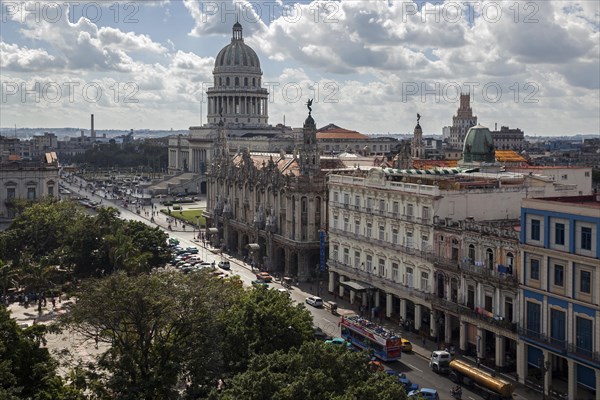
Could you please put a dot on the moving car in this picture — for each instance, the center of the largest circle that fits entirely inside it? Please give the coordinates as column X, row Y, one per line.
column 260, row 283
column 314, row 301
column 338, row 341
column 408, row 385
column 320, row 335
column 224, row 265
column 406, row 345
column 264, row 276
column 425, row 393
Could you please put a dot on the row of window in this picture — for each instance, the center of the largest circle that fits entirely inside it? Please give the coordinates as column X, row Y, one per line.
column 236, row 81
column 584, row 327
column 558, row 271
column 380, row 268
column 410, row 210
column 381, row 233
column 585, row 234
column 11, row 192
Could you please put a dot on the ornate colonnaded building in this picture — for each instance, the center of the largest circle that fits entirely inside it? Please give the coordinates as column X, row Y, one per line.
column 438, row 247
column 269, row 207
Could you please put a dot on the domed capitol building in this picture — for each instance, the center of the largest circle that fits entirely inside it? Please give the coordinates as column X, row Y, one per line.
column 237, row 96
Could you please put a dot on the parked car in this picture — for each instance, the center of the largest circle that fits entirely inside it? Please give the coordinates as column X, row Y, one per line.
column 224, row 265
column 314, row 301
column 425, row 393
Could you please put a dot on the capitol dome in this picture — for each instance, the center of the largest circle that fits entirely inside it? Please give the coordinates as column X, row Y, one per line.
column 479, row 145
column 237, row 53
column 237, row 96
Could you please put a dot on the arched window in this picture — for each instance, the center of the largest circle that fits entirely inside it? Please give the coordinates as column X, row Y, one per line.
column 454, row 250
column 510, row 261
column 220, row 81
column 489, row 254
column 471, row 254
column 237, row 81
column 253, row 81
column 227, row 81
column 245, row 81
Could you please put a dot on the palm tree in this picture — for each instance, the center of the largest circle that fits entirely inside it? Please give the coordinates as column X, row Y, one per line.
column 8, row 277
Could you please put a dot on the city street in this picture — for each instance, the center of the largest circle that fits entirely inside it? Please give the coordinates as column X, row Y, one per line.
column 414, row 365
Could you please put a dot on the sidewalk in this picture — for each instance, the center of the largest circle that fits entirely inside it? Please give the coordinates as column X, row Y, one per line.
column 344, row 307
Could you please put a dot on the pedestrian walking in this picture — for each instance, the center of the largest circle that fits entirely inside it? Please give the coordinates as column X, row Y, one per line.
column 424, row 341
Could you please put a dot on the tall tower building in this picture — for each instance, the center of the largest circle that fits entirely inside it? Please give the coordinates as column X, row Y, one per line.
column 417, row 149
column 461, row 122
column 310, row 163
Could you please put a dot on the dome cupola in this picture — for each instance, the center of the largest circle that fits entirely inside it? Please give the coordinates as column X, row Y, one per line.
column 479, row 145
column 237, row 53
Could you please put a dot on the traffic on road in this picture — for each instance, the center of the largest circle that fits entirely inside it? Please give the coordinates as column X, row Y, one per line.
column 190, row 255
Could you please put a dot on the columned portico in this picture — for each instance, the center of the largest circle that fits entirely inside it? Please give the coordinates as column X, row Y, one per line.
column 521, row 361
column 572, row 381
column 403, row 309
column 463, row 336
column 417, row 317
column 500, row 350
column 389, row 298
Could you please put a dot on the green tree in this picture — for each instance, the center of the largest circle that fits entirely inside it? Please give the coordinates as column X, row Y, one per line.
column 26, row 369
column 315, row 371
column 8, row 277
column 154, row 323
column 174, row 335
column 261, row 322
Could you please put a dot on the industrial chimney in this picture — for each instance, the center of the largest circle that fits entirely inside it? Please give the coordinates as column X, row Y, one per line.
column 93, row 131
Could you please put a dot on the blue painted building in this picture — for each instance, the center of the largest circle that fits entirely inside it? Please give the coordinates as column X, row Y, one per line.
column 559, row 293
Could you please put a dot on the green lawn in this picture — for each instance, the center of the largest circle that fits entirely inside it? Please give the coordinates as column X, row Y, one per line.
column 187, row 215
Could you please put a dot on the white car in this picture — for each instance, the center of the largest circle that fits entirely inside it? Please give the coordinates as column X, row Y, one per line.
column 314, row 301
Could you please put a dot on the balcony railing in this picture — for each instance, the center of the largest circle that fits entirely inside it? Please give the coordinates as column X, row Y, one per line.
column 561, row 345
column 586, row 354
column 389, row 214
column 490, row 274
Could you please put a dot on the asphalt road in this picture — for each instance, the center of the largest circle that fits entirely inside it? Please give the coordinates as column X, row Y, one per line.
column 413, row 365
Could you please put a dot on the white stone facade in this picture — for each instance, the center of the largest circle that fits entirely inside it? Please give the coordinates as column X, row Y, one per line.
column 30, row 180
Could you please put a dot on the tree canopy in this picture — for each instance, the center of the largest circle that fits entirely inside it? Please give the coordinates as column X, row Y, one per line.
column 53, row 233
column 27, row 371
column 171, row 333
column 316, row 371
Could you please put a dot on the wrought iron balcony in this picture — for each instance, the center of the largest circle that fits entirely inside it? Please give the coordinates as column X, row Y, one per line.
column 561, row 346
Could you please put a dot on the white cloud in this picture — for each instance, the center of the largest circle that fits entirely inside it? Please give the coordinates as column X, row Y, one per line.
column 13, row 57
column 360, row 60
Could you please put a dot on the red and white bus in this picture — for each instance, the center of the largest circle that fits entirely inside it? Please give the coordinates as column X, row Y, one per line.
column 384, row 344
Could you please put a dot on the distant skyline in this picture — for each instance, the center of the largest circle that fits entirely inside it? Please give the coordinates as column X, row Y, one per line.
column 370, row 66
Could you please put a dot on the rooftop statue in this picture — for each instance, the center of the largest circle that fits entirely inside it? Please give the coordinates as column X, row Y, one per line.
column 309, row 105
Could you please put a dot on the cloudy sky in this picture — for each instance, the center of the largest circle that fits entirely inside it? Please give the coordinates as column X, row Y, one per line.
column 369, row 65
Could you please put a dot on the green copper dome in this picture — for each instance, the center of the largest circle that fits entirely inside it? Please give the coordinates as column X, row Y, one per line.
column 479, row 145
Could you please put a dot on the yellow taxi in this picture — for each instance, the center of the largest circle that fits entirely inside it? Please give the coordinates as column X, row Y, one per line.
column 406, row 345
